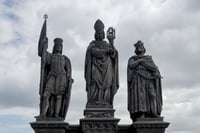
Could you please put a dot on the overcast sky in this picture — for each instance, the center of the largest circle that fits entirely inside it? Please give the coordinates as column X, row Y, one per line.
column 170, row 30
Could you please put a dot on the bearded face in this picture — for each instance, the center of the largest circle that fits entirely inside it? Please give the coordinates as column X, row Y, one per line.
column 57, row 48
column 140, row 50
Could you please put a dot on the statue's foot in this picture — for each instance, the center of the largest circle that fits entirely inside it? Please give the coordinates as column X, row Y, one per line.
column 155, row 116
column 58, row 117
column 142, row 115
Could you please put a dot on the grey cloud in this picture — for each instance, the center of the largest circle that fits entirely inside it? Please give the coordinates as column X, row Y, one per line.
column 14, row 97
column 192, row 5
column 168, row 40
column 182, row 103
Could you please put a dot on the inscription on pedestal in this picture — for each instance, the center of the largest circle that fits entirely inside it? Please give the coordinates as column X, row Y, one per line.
column 99, row 125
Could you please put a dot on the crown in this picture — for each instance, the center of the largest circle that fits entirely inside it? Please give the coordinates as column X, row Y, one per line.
column 99, row 26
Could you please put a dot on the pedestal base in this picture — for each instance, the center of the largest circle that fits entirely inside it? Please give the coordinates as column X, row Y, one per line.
column 99, row 125
column 150, row 125
column 50, row 126
column 99, row 120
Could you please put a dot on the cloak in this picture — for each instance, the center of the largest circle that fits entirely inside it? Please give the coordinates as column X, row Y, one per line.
column 88, row 69
column 134, row 88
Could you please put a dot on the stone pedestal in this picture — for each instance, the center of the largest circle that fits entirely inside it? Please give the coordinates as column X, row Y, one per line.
column 99, row 120
column 150, row 125
column 49, row 125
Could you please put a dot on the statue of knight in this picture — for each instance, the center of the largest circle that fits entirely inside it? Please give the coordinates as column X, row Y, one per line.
column 55, row 78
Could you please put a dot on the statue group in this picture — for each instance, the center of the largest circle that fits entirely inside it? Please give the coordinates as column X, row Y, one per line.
column 101, row 76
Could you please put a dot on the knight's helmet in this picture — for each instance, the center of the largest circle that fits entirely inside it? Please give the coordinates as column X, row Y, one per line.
column 57, row 41
column 99, row 30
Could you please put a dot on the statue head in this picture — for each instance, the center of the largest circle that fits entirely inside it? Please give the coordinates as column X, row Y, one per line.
column 99, row 30
column 58, row 46
column 139, row 48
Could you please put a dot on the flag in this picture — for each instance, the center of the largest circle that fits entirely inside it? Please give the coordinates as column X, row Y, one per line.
column 43, row 37
column 42, row 50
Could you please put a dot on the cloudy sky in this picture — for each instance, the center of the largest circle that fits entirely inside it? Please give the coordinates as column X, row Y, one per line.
column 170, row 30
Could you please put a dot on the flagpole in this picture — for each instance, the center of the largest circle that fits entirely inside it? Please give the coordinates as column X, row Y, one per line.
column 42, row 51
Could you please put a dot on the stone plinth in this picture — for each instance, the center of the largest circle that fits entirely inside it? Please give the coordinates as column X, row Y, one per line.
column 150, row 125
column 99, row 120
column 49, row 125
column 99, row 113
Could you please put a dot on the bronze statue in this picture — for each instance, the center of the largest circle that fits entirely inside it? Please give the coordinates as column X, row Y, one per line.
column 101, row 69
column 55, row 80
column 144, row 85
